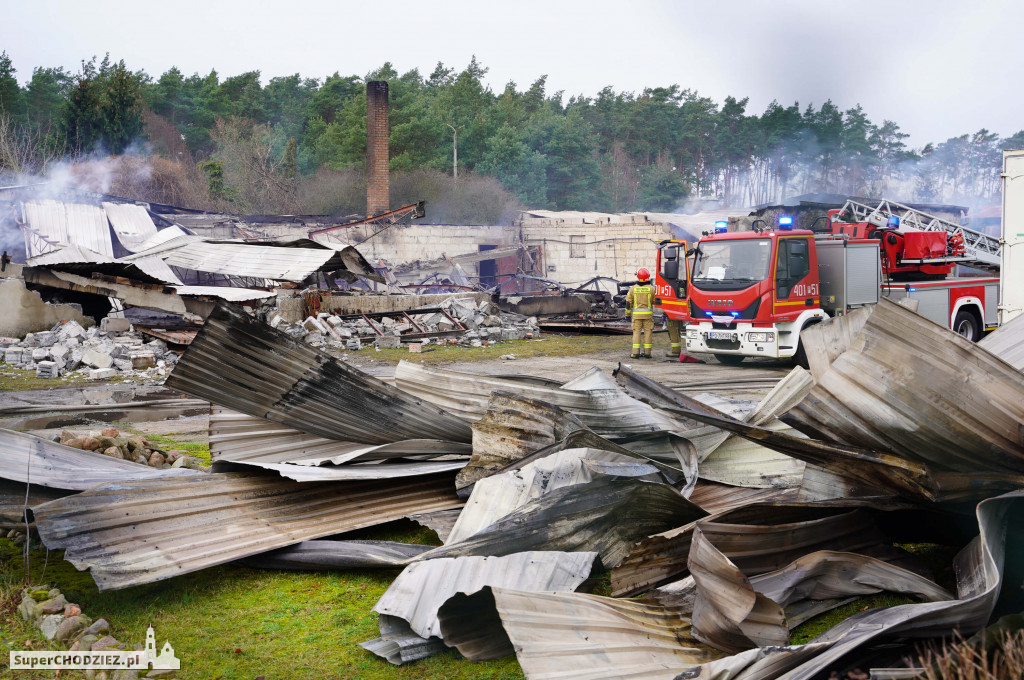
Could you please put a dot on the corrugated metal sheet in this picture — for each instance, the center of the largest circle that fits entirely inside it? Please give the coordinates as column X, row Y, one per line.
column 132, row 224
column 129, row 533
column 574, row 636
column 499, row 495
column 440, row 522
column 71, row 223
column 1007, row 343
column 158, row 269
column 714, row 497
column 909, row 387
column 979, row 568
column 30, row 459
column 13, row 501
column 245, row 365
column 283, row 261
column 607, row 515
column 321, row 555
column 162, row 236
column 240, row 438
column 67, row 254
column 755, row 536
column 609, row 412
column 419, row 591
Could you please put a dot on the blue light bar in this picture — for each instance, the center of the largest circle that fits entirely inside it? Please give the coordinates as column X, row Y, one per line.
column 894, row 222
column 709, row 314
column 735, row 313
column 785, row 223
column 721, row 226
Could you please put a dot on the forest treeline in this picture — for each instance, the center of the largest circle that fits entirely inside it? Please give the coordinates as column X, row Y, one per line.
column 297, row 144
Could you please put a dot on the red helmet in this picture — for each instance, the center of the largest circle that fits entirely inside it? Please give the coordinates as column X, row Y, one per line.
column 643, row 275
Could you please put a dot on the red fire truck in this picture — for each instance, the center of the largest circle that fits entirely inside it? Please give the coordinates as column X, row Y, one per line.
column 751, row 293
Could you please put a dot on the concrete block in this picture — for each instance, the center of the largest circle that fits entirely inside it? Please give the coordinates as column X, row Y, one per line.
column 44, row 338
column 12, row 355
column 353, row 344
column 388, row 342
column 124, row 365
column 128, row 341
column 276, row 320
column 97, row 359
column 40, row 354
column 100, row 373
column 314, row 325
column 111, row 324
column 143, row 360
column 335, row 321
column 47, row 369
column 513, row 333
column 59, row 351
column 7, row 342
column 70, row 329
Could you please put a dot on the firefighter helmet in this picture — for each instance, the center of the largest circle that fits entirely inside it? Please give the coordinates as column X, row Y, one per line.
column 643, row 274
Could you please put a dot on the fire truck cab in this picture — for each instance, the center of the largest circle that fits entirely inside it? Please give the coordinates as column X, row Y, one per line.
column 670, row 279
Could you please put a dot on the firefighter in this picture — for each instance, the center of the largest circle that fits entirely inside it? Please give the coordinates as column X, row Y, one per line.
column 674, row 337
column 640, row 308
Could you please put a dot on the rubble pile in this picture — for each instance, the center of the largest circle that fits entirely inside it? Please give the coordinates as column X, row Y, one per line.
column 110, row 442
column 110, row 350
column 461, row 323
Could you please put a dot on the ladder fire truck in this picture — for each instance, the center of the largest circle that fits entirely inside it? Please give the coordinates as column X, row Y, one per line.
column 750, row 293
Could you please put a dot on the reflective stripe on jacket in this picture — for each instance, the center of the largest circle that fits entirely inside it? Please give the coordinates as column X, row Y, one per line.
column 640, row 300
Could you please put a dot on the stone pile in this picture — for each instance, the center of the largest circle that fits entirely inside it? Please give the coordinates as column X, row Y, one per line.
column 109, row 442
column 63, row 621
column 485, row 324
column 110, row 350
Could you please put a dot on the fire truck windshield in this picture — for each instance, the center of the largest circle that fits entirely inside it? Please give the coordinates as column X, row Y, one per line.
column 732, row 261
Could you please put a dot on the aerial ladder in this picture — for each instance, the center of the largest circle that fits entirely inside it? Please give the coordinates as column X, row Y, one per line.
column 980, row 250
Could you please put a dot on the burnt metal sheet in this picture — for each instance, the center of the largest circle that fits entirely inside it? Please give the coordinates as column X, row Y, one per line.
column 608, row 411
column 268, row 260
column 419, row 591
column 30, row 459
column 1007, row 343
column 440, row 521
column 132, row 224
column 129, row 533
column 239, row 440
column 245, row 365
column 733, row 613
column 911, row 388
column 576, row 636
column 171, row 336
column 607, row 515
column 760, row 537
column 979, row 567
column 499, row 495
column 16, row 497
column 323, row 555
column 715, row 497
column 723, row 458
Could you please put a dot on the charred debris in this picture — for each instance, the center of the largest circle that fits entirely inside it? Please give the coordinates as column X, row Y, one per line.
column 734, row 521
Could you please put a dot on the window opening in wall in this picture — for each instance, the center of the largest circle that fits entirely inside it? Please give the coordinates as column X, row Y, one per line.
column 577, row 246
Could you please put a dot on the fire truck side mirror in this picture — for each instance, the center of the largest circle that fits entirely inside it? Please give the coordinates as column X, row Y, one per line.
column 670, row 269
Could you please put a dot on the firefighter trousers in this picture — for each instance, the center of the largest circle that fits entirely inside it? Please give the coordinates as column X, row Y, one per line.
column 643, row 325
column 674, row 339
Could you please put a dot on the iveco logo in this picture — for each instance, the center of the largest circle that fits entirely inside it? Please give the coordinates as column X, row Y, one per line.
column 720, row 303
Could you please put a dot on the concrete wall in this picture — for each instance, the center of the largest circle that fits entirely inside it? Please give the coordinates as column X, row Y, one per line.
column 25, row 312
column 575, row 253
column 290, row 308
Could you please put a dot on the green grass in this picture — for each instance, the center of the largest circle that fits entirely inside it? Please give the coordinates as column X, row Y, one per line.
column 812, row 628
column 19, row 379
column 548, row 345
column 231, row 622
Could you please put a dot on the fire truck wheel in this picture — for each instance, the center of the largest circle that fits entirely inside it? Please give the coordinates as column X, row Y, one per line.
column 730, row 359
column 966, row 325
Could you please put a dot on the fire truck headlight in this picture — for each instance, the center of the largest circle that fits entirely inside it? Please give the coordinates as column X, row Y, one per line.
column 760, row 337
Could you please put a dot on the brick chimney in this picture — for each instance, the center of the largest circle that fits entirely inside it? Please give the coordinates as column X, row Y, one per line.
column 377, row 129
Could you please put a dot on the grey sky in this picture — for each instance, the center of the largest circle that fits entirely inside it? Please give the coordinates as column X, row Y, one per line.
column 939, row 68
